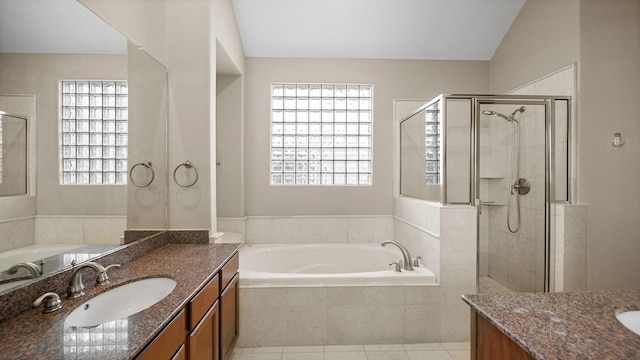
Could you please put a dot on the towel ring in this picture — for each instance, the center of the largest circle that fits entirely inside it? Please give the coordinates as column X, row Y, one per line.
column 188, row 165
column 146, row 164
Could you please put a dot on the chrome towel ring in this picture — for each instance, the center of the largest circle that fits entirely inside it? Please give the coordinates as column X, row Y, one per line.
column 146, row 164
column 187, row 165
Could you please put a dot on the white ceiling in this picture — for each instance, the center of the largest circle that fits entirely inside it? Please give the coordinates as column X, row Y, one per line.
column 383, row 29
column 55, row 26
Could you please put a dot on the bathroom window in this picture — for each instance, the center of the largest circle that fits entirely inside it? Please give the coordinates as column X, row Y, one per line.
column 321, row 134
column 94, row 124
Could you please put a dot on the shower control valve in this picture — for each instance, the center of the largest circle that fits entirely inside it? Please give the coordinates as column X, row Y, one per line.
column 521, row 187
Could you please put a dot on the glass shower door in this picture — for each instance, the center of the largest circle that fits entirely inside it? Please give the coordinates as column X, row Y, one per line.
column 512, row 187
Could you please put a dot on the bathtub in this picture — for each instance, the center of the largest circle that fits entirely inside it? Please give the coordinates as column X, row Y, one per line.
column 334, row 294
column 33, row 253
column 313, row 265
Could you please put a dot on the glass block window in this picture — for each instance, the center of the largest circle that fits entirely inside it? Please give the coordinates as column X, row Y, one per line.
column 321, row 134
column 432, row 143
column 94, row 132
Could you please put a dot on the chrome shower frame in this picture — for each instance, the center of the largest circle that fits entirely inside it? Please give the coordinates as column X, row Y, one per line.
column 549, row 103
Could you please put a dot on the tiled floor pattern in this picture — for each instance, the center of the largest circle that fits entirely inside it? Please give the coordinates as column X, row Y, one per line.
column 490, row 286
column 433, row 351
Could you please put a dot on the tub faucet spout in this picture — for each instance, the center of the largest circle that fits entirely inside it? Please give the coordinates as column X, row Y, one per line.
column 406, row 256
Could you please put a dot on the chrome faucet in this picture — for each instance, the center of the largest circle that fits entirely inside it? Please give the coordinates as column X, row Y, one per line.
column 76, row 287
column 34, row 270
column 407, row 260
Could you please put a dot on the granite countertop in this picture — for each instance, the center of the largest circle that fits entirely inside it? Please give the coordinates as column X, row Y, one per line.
column 570, row 325
column 34, row 335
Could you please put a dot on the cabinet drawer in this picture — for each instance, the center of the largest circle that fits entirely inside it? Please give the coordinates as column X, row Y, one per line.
column 229, row 270
column 169, row 341
column 201, row 303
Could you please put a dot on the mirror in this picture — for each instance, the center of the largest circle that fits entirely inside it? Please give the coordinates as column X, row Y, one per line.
column 73, row 222
column 13, row 154
column 420, row 154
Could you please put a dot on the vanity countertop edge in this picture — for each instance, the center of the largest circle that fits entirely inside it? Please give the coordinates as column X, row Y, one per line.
column 34, row 335
column 563, row 325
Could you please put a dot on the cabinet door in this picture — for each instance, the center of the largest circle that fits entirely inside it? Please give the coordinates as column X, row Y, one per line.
column 169, row 341
column 181, row 354
column 203, row 341
column 229, row 318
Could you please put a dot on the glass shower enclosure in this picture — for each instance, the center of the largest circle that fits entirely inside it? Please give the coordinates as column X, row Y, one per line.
column 507, row 155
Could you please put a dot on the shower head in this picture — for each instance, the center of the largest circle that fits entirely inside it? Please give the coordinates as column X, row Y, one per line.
column 508, row 118
column 495, row 113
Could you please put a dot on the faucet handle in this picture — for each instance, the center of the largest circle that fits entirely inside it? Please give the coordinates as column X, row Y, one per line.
column 398, row 265
column 416, row 261
column 102, row 278
column 51, row 301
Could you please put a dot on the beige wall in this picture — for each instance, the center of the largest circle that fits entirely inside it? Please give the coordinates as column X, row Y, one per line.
column 183, row 36
column 602, row 36
column 191, row 111
column 148, row 106
column 543, row 38
column 40, row 74
column 609, row 178
column 392, row 79
column 229, row 147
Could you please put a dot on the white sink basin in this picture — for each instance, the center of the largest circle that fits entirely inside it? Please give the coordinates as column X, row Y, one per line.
column 630, row 319
column 121, row 302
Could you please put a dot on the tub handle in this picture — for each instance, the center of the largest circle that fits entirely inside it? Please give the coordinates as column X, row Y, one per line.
column 416, row 261
column 398, row 265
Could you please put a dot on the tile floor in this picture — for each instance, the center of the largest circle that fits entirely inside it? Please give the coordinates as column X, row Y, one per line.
column 489, row 286
column 432, row 351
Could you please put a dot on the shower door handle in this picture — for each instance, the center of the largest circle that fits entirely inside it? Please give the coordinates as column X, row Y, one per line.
column 479, row 206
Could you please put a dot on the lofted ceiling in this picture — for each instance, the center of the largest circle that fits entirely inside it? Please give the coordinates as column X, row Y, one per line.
column 55, row 26
column 382, row 29
column 379, row 29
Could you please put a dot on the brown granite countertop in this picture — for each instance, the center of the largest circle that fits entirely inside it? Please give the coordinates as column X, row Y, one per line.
column 34, row 335
column 570, row 325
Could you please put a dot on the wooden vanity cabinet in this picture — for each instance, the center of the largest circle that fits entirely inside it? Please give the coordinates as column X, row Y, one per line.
column 207, row 328
column 229, row 312
column 170, row 342
column 489, row 343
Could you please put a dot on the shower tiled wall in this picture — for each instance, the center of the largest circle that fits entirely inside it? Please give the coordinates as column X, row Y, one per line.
column 569, row 258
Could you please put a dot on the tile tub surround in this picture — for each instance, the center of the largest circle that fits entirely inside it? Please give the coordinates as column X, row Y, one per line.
column 288, row 316
column 34, row 335
column 569, row 325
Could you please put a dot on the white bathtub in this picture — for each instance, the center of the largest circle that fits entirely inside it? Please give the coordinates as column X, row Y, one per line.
column 33, row 253
column 313, row 265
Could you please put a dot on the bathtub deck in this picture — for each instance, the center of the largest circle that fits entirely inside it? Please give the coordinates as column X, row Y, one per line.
column 440, row 351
